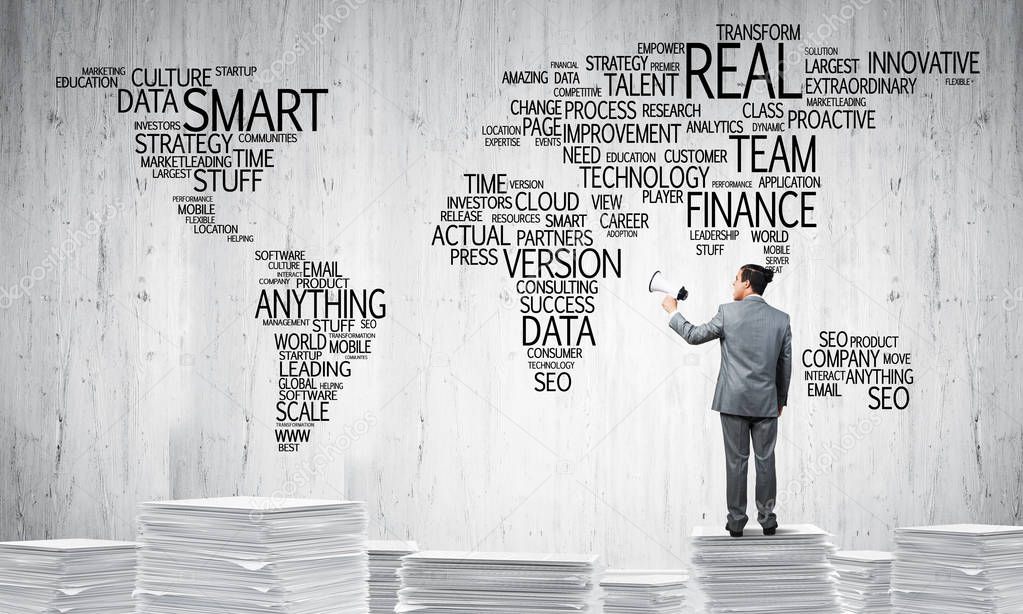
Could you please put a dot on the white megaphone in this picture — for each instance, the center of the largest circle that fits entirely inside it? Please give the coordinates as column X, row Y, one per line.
column 658, row 283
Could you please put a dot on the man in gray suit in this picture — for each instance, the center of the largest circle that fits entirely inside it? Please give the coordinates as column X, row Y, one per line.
column 752, row 387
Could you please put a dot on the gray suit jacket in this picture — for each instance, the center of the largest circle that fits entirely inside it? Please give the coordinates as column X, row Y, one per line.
column 756, row 355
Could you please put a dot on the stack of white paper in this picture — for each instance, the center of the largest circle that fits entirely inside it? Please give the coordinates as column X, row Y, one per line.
column 637, row 591
column 864, row 580
column 67, row 576
column 249, row 554
column 786, row 572
column 958, row 568
column 384, row 563
column 499, row 583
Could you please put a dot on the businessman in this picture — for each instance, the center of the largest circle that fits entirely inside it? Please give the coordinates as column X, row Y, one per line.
column 752, row 387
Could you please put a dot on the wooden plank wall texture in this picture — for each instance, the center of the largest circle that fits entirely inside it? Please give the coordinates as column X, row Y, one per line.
column 135, row 370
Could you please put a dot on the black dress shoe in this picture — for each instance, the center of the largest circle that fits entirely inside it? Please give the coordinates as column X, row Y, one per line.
column 733, row 533
column 770, row 531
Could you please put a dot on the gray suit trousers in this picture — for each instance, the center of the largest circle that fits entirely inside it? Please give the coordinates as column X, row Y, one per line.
column 738, row 431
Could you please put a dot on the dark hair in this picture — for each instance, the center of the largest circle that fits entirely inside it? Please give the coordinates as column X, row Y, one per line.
column 757, row 276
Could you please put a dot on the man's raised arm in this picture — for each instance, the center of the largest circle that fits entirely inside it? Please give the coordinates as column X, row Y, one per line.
column 695, row 335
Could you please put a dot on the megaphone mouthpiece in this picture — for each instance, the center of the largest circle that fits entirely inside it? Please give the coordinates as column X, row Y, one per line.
column 658, row 283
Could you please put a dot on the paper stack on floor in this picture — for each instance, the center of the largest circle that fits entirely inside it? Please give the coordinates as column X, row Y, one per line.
column 250, row 554
column 69, row 576
column 635, row 591
column 958, row 568
column 786, row 572
column 384, row 563
column 500, row 582
column 864, row 580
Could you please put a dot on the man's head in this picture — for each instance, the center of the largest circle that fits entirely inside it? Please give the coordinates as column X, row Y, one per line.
column 750, row 279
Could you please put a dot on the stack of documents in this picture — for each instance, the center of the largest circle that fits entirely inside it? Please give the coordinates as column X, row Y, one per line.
column 958, row 568
column 384, row 563
column 786, row 572
column 864, row 580
column 67, row 576
column 502, row 583
column 250, row 554
column 638, row 591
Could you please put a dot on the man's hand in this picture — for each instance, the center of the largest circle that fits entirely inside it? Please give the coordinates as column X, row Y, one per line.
column 670, row 304
column 780, row 407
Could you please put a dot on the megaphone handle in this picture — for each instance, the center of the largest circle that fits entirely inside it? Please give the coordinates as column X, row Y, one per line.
column 682, row 294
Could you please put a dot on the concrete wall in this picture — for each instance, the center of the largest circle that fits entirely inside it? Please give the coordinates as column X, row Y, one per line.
column 135, row 370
